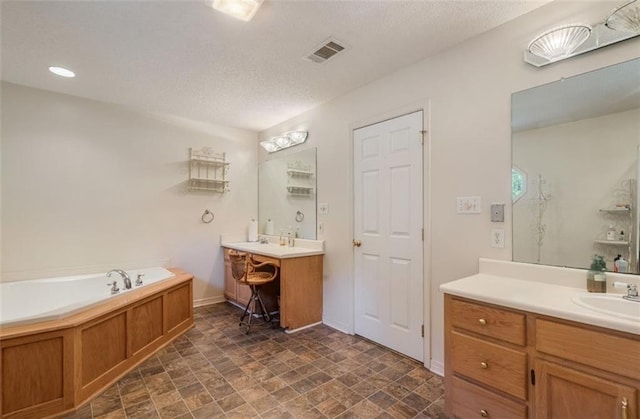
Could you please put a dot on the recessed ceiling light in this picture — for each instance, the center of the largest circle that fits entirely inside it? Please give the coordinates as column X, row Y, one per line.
column 62, row 72
column 240, row 9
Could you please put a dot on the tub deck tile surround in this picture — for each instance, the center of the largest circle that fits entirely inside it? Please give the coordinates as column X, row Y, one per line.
column 215, row 371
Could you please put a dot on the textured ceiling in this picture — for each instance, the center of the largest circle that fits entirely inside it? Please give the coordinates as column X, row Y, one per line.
column 183, row 58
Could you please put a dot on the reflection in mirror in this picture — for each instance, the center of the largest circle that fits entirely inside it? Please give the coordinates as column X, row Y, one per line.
column 287, row 195
column 576, row 143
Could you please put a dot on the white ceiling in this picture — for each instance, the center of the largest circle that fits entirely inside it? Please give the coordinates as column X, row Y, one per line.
column 184, row 59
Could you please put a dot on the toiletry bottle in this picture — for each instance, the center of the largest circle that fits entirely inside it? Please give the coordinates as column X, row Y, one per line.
column 621, row 236
column 611, row 233
column 596, row 276
column 615, row 263
column 281, row 237
column 622, row 265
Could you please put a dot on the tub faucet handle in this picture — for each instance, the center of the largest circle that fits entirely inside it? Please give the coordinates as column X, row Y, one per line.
column 139, row 279
column 114, row 287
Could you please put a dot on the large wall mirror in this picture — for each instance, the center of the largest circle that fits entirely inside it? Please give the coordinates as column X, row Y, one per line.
column 575, row 155
column 287, row 195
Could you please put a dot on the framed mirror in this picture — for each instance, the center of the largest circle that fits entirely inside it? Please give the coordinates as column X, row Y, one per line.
column 575, row 169
column 287, row 195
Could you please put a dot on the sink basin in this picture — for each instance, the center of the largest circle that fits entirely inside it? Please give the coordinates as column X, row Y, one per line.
column 611, row 305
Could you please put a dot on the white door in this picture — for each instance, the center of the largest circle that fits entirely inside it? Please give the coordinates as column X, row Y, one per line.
column 388, row 241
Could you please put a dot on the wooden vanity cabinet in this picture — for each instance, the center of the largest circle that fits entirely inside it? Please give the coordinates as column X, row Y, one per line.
column 571, row 370
column 486, row 361
column 299, row 286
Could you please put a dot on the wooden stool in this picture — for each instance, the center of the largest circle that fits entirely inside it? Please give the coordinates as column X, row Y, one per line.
column 243, row 270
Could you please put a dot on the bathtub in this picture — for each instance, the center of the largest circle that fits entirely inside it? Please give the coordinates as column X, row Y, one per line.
column 65, row 340
column 30, row 301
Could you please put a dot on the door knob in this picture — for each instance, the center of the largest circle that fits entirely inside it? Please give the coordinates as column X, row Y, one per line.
column 357, row 243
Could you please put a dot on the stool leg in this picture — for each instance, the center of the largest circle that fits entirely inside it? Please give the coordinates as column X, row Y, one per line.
column 265, row 313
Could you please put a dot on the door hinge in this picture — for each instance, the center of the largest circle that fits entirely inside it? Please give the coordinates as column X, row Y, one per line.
column 533, row 378
column 422, row 331
column 422, row 136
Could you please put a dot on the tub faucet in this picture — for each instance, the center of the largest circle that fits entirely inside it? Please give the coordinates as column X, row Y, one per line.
column 124, row 275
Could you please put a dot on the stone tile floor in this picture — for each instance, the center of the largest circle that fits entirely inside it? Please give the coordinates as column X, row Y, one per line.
column 216, row 371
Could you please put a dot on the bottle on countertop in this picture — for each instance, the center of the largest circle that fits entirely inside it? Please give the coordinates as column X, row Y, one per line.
column 611, row 233
column 282, row 240
column 596, row 276
column 615, row 263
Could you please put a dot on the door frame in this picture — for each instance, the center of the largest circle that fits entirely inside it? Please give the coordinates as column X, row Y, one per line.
column 425, row 107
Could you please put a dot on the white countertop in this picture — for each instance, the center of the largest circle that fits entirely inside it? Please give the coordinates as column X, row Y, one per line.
column 536, row 297
column 302, row 248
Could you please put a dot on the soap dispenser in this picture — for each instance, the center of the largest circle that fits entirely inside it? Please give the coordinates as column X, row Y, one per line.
column 596, row 276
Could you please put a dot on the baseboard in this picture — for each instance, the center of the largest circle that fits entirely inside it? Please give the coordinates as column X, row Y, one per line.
column 340, row 327
column 209, row 300
column 437, row 368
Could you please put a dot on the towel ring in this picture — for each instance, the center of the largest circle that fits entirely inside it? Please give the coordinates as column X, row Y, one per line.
column 299, row 216
column 207, row 216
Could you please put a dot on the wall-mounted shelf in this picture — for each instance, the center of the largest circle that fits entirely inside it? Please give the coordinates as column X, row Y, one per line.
column 208, row 170
column 620, row 210
column 300, row 179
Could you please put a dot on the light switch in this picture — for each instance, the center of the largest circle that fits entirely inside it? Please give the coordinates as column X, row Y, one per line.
column 468, row 205
column 497, row 213
column 323, row 208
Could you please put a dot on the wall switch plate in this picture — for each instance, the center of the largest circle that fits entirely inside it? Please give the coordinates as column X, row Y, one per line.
column 323, row 208
column 497, row 238
column 497, row 213
column 468, row 205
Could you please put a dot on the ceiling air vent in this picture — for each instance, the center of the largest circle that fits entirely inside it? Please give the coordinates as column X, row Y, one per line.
column 326, row 50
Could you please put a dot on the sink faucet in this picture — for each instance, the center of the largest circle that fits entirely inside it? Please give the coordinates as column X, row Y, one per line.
column 263, row 240
column 124, row 275
column 632, row 293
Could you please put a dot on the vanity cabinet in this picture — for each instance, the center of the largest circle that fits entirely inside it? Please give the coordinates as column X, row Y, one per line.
column 486, row 362
column 504, row 363
column 296, row 292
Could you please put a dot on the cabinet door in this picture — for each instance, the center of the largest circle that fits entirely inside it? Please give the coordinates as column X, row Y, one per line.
column 565, row 393
column 229, row 281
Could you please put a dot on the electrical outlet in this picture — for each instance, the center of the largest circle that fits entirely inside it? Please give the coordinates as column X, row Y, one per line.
column 497, row 213
column 323, row 208
column 497, row 238
column 468, row 205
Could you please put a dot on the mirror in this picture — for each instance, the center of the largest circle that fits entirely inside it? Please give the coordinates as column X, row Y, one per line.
column 575, row 167
column 287, row 195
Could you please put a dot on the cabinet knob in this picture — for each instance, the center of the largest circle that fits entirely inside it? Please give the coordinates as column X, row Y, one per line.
column 482, row 322
column 484, row 413
column 484, row 365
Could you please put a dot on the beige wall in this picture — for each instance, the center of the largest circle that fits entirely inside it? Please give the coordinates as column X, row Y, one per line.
column 468, row 151
column 87, row 185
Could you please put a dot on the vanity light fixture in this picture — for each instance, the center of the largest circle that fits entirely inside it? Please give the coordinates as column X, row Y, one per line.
column 559, row 42
column 240, row 9
column 286, row 140
column 60, row 71
column 625, row 18
column 570, row 40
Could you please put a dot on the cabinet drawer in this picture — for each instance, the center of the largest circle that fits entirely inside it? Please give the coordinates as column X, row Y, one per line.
column 500, row 367
column 471, row 401
column 488, row 321
column 589, row 347
column 262, row 258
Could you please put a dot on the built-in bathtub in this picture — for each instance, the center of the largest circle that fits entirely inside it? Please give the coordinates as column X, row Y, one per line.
column 37, row 300
column 63, row 340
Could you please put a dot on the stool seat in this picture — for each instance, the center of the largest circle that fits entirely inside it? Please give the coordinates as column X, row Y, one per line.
column 243, row 269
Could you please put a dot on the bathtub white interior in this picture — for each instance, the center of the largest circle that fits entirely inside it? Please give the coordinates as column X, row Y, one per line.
column 24, row 302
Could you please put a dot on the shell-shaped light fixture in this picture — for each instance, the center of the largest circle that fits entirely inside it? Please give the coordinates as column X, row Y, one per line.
column 625, row 18
column 560, row 42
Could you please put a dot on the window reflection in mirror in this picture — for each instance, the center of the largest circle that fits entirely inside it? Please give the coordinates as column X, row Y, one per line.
column 287, row 194
column 577, row 140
